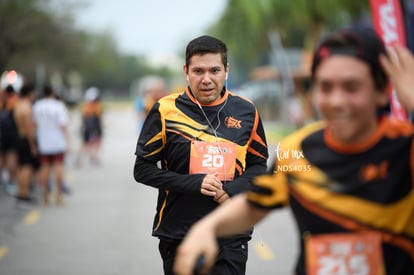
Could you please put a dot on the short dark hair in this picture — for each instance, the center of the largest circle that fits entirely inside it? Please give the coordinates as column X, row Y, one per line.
column 362, row 43
column 9, row 89
column 27, row 89
column 47, row 91
column 205, row 44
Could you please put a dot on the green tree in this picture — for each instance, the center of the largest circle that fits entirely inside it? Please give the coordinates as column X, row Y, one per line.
column 38, row 37
column 245, row 25
column 32, row 34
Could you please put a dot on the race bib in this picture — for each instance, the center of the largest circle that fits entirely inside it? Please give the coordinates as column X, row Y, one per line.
column 213, row 158
column 344, row 254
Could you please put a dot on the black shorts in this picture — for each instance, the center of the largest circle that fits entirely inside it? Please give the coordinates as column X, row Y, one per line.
column 90, row 136
column 9, row 141
column 231, row 259
column 24, row 154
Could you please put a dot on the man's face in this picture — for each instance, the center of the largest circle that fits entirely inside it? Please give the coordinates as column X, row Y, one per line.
column 345, row 94
column 206, row 76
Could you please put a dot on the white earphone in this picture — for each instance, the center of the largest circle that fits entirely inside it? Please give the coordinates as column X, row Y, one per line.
column 188, row 78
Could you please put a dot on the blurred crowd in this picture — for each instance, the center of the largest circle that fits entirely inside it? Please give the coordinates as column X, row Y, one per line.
column 34, row 139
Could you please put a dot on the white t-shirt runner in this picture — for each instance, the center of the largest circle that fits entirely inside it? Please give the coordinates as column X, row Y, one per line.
column 51, row 117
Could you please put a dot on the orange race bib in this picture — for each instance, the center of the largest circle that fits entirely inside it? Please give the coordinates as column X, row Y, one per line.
column 344, row 254
column 213, row 158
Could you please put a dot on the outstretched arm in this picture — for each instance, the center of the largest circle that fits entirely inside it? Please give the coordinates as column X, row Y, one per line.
column 399, row 65
column 232, row 217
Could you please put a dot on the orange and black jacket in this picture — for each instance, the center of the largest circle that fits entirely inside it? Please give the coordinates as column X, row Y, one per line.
column 91, row 117
column 174, row 122
column 333, row 187
column 92, row 109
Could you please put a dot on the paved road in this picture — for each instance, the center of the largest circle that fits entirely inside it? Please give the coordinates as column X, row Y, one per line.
column 104, row 228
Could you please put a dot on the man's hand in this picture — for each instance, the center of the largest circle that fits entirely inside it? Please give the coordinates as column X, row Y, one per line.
column 221, row 196
column 211, row 185
column 399, row 65
column 199, row 241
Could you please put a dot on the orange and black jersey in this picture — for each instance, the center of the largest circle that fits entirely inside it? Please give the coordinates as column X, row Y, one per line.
column 173, row 123
column 92, row 109
column 333, row 187
column 91, row 120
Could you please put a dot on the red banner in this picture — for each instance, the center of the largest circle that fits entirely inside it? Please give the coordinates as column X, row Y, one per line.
column 408, row 7
column 389, row 24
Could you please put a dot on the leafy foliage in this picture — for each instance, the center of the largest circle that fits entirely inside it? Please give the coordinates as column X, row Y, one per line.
column 245, row 25
column 39, row 40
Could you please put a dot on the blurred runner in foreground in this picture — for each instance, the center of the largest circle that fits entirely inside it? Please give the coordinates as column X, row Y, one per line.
column 349, row 179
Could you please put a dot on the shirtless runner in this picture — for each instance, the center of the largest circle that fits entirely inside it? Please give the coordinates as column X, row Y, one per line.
column 27, row 149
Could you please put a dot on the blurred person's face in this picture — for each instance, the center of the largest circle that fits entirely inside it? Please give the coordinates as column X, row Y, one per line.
column 158, row 91
column 206, row 76
column 345, row 94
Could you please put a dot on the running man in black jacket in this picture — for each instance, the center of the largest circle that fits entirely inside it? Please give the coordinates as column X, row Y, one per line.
column 210, row 143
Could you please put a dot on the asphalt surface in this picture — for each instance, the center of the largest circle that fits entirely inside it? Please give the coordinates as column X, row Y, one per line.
column 104, row 227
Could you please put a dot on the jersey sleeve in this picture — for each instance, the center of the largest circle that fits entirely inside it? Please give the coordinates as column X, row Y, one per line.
column 269, row 191
column 63, row 116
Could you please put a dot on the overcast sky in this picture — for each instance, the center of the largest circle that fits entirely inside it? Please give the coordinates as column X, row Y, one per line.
column 157, row 28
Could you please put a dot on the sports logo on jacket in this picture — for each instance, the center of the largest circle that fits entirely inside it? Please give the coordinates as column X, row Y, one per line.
column 231, row 122
column 371, row 172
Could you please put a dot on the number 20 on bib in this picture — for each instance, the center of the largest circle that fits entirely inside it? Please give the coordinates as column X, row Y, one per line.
column 213, row 158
